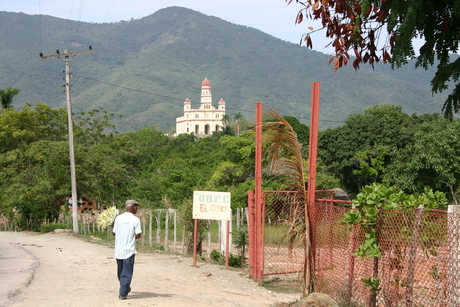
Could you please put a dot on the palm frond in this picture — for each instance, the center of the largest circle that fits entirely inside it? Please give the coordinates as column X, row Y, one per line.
column 284, row 153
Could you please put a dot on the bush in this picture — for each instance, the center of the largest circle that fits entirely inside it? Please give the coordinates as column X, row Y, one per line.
column 235, row 261
column 52, row 226
column 216, row 255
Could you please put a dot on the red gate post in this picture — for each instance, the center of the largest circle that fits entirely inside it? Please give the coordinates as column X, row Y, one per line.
column 310, row 211
column 258, row 193
column 251, row 232
column 195, row 235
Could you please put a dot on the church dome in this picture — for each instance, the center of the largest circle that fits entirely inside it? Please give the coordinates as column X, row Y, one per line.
column 205, row 83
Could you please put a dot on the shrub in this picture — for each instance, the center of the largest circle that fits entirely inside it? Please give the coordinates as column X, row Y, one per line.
column 52, row 226
column 216, row 255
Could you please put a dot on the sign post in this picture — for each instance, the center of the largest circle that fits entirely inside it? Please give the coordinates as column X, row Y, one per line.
column 211, row 206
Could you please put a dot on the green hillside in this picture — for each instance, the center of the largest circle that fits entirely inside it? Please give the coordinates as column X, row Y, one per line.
column 144, row 69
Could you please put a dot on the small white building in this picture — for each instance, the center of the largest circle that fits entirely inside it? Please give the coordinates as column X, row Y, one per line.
column 205, row 120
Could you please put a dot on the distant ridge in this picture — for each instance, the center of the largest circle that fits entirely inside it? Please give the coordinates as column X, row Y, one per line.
column 144, row 69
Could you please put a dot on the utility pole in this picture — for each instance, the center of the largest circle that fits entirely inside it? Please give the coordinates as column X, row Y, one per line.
column 73, row 178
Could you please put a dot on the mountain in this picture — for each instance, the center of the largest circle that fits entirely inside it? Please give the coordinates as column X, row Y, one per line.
column 144, row 70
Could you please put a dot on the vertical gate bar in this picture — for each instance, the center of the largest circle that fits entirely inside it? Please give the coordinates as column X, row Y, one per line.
column 195, row 235
column 251, row 233
column 258, row 190
column 310, row 211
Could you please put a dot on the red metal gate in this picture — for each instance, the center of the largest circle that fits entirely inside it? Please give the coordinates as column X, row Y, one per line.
column 272, row 248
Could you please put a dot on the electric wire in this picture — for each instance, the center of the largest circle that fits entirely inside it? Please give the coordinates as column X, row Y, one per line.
column 181, row 99
column 106, row 16
column 79, row 16
column 40, row 24
column 67, row 25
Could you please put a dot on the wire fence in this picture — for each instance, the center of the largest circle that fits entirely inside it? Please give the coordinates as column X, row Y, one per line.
column 162, row 229
column 420, row 252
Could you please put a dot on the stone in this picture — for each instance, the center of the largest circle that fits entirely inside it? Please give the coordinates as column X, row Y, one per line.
column 316, row 300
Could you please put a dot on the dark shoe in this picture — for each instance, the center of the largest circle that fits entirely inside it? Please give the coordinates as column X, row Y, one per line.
column 123, row 297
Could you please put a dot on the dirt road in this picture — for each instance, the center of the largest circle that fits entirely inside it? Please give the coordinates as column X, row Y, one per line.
column 63, row 270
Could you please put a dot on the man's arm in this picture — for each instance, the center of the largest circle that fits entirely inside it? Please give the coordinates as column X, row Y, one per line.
column 137, row 236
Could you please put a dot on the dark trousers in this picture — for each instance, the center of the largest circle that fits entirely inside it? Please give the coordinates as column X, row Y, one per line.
column 125, row 274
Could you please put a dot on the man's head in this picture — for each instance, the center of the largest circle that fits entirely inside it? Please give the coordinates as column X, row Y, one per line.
column 131, row 205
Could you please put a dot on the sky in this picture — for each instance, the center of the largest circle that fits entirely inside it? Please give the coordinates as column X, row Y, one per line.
column 273, row 17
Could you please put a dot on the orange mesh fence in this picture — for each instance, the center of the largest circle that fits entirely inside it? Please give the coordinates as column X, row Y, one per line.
column 420, row 252
column 283, row 253
column 411, row 271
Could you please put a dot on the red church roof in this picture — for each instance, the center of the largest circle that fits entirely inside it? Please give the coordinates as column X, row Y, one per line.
column 205, row 83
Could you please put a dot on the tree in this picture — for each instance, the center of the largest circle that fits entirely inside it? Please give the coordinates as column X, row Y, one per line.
column 357, row 28
column 371, row 164
column 302, row 131
column 20, row 128
column 6, row 97
column 237, row 117
column 432, row 161
column 345, row 150
column 226, row 119
column 35, row 181
column 367, row 211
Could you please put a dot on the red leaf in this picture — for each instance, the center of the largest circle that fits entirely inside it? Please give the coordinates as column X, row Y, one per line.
column 357, row 53
column 299, row 18
column 356, row 64
column 336, row 64
column 315, row 6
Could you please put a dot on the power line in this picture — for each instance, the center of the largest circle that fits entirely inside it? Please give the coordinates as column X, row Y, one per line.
column 131, row 89
column 181, row 99
column 110, row 8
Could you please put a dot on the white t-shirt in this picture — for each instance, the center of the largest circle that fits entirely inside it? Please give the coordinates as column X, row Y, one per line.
column 126, row 227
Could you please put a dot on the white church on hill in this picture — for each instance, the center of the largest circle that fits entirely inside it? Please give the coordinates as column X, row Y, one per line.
column 205, row 120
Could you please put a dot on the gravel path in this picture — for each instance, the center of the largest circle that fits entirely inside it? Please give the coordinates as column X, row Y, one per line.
column 63, row 270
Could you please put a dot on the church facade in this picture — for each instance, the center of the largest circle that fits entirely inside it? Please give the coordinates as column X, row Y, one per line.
column 206, row 119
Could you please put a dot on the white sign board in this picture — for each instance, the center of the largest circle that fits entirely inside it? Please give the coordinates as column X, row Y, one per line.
column 211, row 205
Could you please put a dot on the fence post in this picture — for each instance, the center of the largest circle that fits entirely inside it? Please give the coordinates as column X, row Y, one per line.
column 258, row 196
column 143, row 227
column 453, row 238
column 166, row 229
column 413, row 257
column 224, row 235
column 150, row 227
column 158, row 225
column 351, row 261
column 251, row 233
column 175, row 229
column 209, row 237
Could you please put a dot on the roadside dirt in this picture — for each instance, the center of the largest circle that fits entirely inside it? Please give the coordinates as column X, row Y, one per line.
column 63, row 270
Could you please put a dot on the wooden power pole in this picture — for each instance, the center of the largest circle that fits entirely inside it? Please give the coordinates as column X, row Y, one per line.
column 73, row 178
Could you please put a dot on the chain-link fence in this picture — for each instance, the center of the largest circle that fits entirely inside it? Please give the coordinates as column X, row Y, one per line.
column 418, row 264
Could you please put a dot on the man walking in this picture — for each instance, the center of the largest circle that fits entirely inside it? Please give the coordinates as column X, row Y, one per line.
column 126, row 229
